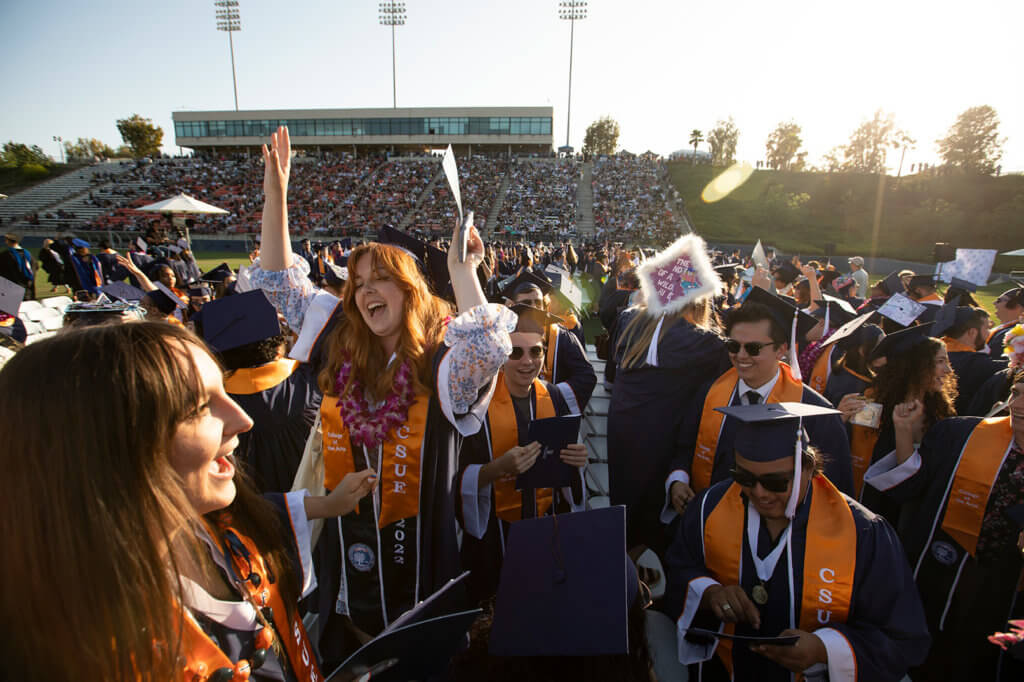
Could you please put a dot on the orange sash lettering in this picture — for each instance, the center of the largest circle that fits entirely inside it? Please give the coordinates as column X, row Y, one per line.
column 501, row 418
column 786, row 390
column 976, row 473
column 249, row 380
column 830, row 555
column 400, row 459
column 822, row 370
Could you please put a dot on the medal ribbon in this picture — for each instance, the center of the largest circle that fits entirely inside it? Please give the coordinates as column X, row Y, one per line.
column 764, row 567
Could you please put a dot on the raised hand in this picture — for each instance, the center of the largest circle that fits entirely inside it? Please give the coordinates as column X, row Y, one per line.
column 344, row 498
column 277, row 161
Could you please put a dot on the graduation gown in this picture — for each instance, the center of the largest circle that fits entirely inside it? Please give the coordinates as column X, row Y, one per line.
column 827, row 433
column 483, row 539
column 883, row 631
column 966, row 596
column 567, row 367
column 995, row 389
column 373, row 574
column 996, row 337
column 842, row 382
column 53, row 264
column 282, row 399
column 972, row 369
column 647, row 421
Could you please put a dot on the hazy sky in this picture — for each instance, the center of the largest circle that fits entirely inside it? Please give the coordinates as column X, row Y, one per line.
column 659, row 68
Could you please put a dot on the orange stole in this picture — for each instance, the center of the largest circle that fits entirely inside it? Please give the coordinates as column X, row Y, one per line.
column 1005, row 325
column 980, row 461
column 930, row 297
column 822, row 370
column 400, row 460
column 550, row 351
column 787, row 390
column 249, row 380
column 954, row 346
column 501, row 417
column 862, row 449
column 203, row 656
column 570, row 322
column 830, row 555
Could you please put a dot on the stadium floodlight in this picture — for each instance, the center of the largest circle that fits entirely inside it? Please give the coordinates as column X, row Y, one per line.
column 392, row 14
column 572, row 11
column 229, row 21
column 60, row 144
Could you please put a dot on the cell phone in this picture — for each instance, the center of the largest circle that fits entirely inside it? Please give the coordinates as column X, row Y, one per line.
column 870, row 416
column 462, row 237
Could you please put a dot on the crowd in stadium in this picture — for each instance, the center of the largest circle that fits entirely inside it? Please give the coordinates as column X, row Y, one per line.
column 632, row 199
column 541, row 195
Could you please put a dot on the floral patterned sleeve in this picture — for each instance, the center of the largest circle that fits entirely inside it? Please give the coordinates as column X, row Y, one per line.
column 289, row 290
column 479, row 344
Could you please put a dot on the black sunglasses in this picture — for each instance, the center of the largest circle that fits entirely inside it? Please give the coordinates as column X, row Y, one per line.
column 753, row 348
column 517, row 352
column 773, row 483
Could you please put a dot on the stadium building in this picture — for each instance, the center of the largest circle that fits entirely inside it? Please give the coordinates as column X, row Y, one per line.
column 490, row 130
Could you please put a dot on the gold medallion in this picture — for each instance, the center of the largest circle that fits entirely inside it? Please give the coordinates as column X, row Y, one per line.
column 760, row 594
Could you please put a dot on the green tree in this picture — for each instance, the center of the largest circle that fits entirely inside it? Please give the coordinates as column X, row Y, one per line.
column 602, row 137
column 723, row 138
column 17, row 155
column 783, row 148
column 87, row 149
column 141, row 135
column 870, row 144
column 696, row 137
column 973, row 143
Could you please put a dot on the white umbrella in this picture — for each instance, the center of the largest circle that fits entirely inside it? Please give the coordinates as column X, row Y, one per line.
column 182, row 203
column 1018, row 252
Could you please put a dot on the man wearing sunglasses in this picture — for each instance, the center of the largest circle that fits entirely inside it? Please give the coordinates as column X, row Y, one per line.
column 758, row 339
column 778, row 551
column 1009, row 310
column 491, row 459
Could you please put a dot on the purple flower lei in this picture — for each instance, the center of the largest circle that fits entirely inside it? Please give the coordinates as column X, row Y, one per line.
column 365, row 426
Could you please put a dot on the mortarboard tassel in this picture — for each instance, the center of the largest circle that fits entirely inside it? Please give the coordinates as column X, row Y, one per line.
column 794, row 493
column 794, row 361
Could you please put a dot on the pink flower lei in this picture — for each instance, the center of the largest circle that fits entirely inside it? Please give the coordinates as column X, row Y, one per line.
column 369, row 427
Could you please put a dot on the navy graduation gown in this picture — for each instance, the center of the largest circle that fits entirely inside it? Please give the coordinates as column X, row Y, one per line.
column 572, row 371
column 484, row 556
column 995, row 389
column 885, row 626
column 647, row 419
column 965, row 598
column 827, row 433
column 840, row 383
column 995, row 344
column 972, row 371
column 282, row 416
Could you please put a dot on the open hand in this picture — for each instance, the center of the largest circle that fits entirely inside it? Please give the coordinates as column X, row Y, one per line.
column 808, row 651
column 762, row 279
column 277, row 161
column 851, row 404
column 575, row 455
column 519, row 459
column 680, row 495
column 127, row 264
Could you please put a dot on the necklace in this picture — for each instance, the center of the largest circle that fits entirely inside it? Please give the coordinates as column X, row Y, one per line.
column 367, row 426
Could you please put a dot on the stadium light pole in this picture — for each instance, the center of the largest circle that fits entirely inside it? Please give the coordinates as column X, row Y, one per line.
column 572, row 11
column 60, row 145
column 392, row 14
column 229, row 21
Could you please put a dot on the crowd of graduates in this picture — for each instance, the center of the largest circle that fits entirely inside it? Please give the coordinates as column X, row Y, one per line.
column 360, row 458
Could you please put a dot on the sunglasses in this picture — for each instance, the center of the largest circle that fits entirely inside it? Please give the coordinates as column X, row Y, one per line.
column 773, row 483
column 536, row 352
column 753, row 348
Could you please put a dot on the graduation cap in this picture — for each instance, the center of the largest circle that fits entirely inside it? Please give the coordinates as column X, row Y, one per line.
column 11, row 295
column 336, row 276
column 170, row 294
column 950, row 316
column 433, row 261
column 122, row 291
column 533, row 320
column 218, row 274
column 200, row 290
column 903, row 341
column 677, row 276
column 524, row 281
column 963, row 285
column 902, row 309
column 164, row 303
column 892, row 284
column 771, row 431
column 80, row 243
column 564, row 588
column 921, row 281
column 849, row 328
column 782, row 311
column 411, row 245
column 1015, row 295
column 237, row 320
column 564, row 288
column 787, row 273
column 835, row 312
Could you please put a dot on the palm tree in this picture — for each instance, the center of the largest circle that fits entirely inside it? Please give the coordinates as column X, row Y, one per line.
column 696, row 137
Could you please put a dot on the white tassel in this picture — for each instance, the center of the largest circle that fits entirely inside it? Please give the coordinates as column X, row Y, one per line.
column 794, row 495
column 794, row 361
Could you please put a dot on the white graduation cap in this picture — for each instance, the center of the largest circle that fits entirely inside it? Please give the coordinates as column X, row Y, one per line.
column 680, row 274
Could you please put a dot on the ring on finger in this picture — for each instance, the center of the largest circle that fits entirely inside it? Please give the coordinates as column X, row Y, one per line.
column 726, row 607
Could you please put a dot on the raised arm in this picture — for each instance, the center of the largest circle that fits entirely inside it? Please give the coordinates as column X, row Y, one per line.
column 275, row 246
column 468, row 293
column 137, row 273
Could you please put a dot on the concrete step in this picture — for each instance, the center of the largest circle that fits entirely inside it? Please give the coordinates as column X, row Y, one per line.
column 598, row 406
column 594, row 425
column 597, row 448
column 596, row 477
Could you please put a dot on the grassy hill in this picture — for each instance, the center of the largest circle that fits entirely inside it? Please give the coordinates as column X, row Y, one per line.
column 801, row 212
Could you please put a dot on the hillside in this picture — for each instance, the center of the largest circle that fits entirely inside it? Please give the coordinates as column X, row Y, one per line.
column 801, row 212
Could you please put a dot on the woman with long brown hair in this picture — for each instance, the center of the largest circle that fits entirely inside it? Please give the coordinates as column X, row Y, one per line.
column 134, row 549
column 402, row 383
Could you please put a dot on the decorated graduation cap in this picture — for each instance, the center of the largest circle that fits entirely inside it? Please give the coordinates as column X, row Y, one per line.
column 788, row 317
column 524, row 282
column 533, row 320
column 238, row 320
column 903, row 341
column 902, row 309
column 218, row 274
column 11, row 295
column 677, row 276
column 122, row 291
column 772, row 431
column 565, row 587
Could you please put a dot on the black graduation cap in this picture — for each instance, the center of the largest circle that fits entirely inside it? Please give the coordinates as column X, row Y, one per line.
column 900, row 342
column 218, row 274
column 11, row 295
column 921, row 281
column 728, row 269
column 346, row 243
column 564, row 287
column 335, row 275
column 416, row 248
column 533, row 320
column 521, row 283
column 1015, row 294
column 839, row 312
column 849, row 328
column 782, row 312
column 200, row 290
column 142, row 260
column 437, row 270
column 951, row 315
column 122, row 291
column 164, row 303
column 963, row 285
column 564, row 588
column 786, row 272
column 892, row 284
column 237, row 320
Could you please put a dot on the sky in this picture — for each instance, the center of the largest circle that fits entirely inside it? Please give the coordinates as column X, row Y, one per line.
column 660, row 68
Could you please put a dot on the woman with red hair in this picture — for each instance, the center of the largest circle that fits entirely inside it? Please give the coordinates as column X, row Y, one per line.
column 403, row 382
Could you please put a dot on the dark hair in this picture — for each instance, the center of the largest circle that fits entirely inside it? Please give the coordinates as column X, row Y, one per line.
column 755, row 312
column 912, row 374
column 857, row 349
column 975, row 320
column 253, row 354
